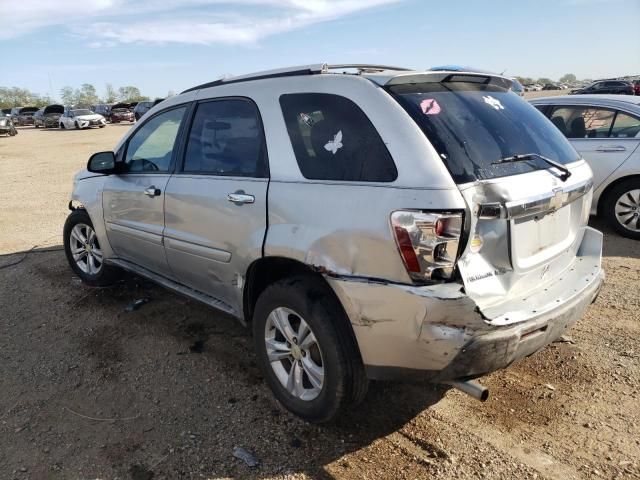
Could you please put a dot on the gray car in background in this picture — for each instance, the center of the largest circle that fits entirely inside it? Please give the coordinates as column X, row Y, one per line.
column 605, row 130
column 367, row 222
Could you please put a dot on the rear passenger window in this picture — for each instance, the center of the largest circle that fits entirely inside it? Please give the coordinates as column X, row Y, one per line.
column 625, row 126
column 333, row 139
column 583, row 122
column 226, row 139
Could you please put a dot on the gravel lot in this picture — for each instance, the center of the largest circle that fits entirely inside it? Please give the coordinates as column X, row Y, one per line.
column 90, row 390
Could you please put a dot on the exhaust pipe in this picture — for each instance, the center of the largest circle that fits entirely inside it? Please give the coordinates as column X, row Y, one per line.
column 471, row 387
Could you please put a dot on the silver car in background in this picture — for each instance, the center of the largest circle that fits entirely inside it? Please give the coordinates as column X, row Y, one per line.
column 605, row 130
column 368, row 222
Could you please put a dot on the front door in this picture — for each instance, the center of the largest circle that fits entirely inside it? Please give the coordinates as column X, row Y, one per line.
column 604, row 137
column 216, row 203
column 133, row 200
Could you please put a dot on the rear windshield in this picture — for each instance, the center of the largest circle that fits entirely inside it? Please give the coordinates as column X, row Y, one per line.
column 472, row 125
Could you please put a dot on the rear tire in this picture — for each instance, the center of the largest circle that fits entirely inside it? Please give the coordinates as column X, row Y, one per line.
column 621, row 208
column 82, row 248
column 307, row 307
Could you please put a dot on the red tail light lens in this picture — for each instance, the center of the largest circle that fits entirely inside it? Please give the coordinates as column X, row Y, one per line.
column 427, row 242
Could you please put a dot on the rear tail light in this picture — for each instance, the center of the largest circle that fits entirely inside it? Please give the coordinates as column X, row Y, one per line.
column 428, row 242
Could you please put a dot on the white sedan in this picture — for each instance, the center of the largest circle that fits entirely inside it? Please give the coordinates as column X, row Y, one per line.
column 81, row 118
column 605, row 130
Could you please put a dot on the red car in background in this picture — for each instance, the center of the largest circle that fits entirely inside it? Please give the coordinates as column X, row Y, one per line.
column 121, row 112
column 636, row 87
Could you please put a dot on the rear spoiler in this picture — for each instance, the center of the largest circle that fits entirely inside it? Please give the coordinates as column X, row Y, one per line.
column 440, row 77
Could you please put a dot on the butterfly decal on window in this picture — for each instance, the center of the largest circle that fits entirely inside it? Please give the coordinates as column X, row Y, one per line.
column 336, row 144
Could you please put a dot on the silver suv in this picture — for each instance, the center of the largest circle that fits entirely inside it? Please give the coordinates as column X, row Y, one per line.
column 368, row 222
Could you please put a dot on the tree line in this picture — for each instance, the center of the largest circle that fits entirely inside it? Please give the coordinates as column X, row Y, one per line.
column 566, row 78
column 85, row 95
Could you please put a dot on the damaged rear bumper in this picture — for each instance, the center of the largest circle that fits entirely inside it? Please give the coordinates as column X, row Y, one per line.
column 437, row 333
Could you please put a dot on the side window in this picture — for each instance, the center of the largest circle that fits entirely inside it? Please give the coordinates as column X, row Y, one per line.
column 151, row 147
column 625, row 126
column 583, row 122
column 333, row 139
column 226, row 139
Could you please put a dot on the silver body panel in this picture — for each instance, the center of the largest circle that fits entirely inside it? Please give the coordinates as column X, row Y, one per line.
column 195, row 240
column 610, row 159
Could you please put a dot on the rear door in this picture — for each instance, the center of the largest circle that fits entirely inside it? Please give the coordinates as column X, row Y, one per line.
column 216, row 204
column 133, row 200
column 605, row 137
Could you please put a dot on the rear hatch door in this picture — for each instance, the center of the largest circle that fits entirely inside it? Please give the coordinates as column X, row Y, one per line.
column 525, row 219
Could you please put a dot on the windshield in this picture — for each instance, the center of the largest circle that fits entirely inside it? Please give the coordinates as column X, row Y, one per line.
column 473, row 125
column 81, row 112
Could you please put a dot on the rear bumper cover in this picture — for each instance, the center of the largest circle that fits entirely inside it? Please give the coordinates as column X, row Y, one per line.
column 437, row 333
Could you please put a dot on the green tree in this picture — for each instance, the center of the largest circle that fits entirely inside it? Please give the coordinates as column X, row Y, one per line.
column 18, row 97
column 544, row 81
column 68, row 95
column 130, row 93
column 110, row 93
column 87, row 95
column 568, row 78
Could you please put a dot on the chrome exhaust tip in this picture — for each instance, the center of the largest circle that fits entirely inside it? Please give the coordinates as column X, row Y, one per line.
column 472, row 388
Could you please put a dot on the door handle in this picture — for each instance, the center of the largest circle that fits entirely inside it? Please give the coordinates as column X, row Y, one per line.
column 612, row 148
column 240, row 198
column 152, row 191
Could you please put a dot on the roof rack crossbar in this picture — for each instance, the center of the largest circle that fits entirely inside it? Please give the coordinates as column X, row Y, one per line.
column 293, row 72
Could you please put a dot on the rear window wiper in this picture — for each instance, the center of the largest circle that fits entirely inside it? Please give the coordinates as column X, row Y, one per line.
column 566, row 173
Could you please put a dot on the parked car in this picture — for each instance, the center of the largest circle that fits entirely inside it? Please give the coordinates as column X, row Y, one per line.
column 143, row 107
column 373, row 225
column 605, row 130
column 610, row 86
column 6, row 112
column 15, row 111
column 103, row 109
column 81, row 118
column 636, row 87
column 48, row 117
column 7, row 127
column 121, row 112
column 550, row 86
column 517, row 88
column 24, row 116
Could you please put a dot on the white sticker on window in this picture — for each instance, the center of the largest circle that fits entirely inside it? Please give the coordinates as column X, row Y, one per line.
column 336, row 144
column 493, row 102
column 429, row 106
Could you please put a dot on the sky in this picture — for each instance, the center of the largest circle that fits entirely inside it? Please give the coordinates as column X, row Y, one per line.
column 161, row 46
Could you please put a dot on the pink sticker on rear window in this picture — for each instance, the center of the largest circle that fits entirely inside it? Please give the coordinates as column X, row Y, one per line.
column 430, row 106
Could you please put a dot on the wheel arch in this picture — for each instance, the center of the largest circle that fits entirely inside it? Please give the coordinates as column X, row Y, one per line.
column 605, row 193
column 267, row 270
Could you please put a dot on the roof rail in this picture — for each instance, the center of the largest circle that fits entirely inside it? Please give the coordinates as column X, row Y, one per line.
column 295, row 71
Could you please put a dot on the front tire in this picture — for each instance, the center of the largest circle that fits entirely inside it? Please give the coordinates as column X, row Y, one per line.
column 75, row 124
column 306, row 350
column 83, row 251
column 622, row 208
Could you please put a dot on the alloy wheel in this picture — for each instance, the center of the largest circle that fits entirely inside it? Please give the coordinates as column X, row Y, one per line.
column 294, row 354
column 85, row 249
column 627, row 210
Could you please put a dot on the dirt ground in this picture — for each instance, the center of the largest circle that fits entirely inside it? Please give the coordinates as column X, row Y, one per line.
column 91, row 390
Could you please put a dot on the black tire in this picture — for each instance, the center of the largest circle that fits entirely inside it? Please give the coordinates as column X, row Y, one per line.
column 609, row 206
column 107, row 275
column 345, row 381
column 62, row 126
column 75, row 124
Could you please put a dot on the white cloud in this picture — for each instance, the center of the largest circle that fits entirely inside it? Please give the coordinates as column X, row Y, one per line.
column 113, row 22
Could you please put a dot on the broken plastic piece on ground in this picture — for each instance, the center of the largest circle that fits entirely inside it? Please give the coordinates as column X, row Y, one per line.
column 136, row 304
column 565, row 339
column 246, row 456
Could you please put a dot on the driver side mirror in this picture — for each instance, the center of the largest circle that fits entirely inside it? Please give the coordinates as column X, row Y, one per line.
column 102, row 162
